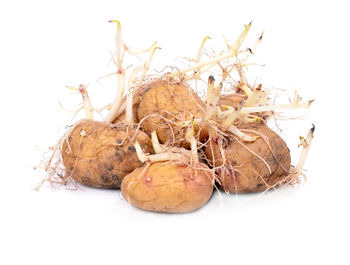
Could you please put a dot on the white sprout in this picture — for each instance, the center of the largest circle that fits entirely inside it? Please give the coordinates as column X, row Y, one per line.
column 166, row 156
column 155, row 143
column 305, row 143
column 89, row 111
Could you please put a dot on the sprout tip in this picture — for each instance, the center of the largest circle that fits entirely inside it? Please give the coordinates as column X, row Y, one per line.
column 313, row 128
column 262, row 34
column 114, row 20
column 311, row 101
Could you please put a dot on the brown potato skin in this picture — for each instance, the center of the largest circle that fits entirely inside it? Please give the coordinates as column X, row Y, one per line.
column 244, row 171
column 168, row 187
column 104, row 156
column 173, row 101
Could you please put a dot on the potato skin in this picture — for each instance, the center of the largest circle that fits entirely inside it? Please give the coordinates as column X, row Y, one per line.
column 104, row 155
column 244, row 171
column 173, row 101
column 168, row 187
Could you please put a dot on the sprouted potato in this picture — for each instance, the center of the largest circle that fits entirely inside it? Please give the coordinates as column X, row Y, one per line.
column 172, row 180
column 168, row 187
column 99, row 154
column 164, row 105
column 229, row 129
column 250, row 166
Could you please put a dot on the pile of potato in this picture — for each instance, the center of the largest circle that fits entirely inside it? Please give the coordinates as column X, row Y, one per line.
column 167, row 148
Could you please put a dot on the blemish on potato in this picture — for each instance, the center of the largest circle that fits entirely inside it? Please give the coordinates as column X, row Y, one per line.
column 118, row 154
column 105, row 179
column 131, row 148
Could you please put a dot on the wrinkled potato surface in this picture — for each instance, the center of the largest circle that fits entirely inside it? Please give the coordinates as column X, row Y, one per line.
column 99, row 155
column 168, row 187
column 245, row 170
column 173, row 103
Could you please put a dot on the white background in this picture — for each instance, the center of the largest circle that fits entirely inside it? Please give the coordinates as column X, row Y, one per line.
column 46, row 45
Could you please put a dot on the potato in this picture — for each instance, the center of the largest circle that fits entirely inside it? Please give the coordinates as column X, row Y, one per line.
column 168, row 187
column 169, row 103
column 99, row 155
column 251, row 166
